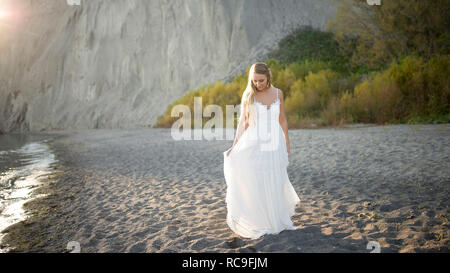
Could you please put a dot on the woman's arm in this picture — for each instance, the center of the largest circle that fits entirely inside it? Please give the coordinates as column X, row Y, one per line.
column 283, row 121
column 242, row 125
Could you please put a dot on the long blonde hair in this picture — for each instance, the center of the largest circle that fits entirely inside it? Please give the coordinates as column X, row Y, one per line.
column 247, row 97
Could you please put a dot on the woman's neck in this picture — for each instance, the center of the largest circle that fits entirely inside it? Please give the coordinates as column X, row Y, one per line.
column 264, row 90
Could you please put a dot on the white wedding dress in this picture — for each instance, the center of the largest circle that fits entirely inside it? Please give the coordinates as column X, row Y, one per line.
column 260, row 198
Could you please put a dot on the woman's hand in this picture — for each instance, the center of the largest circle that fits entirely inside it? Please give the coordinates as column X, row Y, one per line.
column 229, row 150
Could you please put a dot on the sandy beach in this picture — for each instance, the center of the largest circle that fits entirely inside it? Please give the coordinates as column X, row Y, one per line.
column 141, row 191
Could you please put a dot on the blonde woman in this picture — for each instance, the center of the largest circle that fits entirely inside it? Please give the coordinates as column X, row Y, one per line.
column 260, row 198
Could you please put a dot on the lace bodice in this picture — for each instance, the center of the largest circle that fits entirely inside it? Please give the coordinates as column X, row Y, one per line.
column 267, row 107
column 267, row 112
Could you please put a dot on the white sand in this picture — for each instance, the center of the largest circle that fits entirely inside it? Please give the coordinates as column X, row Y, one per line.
column 140, row 191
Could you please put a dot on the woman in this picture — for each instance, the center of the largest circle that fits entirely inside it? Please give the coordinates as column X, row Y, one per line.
column 260, row 198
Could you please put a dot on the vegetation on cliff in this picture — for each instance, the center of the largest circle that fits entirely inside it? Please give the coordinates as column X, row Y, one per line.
column 393, row 69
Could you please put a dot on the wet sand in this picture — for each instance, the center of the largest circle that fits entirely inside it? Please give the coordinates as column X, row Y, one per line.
column 141, row 191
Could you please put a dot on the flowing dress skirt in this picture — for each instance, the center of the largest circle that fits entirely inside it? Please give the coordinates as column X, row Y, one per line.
column 260, row 197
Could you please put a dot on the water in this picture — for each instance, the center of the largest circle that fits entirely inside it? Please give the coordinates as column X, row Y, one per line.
column 24, row 160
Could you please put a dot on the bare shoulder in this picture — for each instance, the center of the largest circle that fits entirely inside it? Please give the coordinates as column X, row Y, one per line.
column 280, row 93
column 245, row 96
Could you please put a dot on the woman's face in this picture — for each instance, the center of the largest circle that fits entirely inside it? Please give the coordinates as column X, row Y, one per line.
column 260, row 81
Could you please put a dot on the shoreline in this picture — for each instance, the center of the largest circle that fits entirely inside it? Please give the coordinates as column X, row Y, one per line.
column 34, row 234
column 31, row 234
column 138, row 191
column 20, row 181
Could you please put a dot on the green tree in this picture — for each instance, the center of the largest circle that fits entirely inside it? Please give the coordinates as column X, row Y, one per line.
column 376, row 35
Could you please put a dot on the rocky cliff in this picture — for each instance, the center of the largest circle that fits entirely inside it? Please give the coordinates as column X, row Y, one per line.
column 120, row 63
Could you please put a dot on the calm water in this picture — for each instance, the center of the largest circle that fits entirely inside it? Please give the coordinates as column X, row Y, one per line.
column 23, row 160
